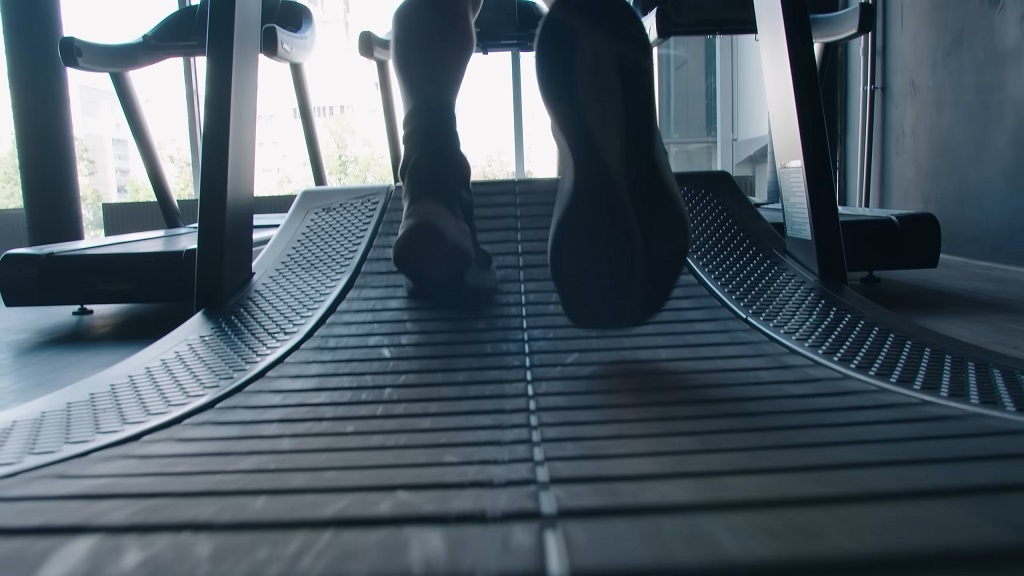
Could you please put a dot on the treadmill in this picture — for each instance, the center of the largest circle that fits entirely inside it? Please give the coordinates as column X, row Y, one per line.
column 765, row 422
column 156, row 266
column 873, row 239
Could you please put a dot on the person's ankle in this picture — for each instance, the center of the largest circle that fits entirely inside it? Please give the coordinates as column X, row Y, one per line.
column 429, row 129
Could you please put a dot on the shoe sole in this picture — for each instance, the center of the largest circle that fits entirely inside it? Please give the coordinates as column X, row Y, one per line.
column 620, row 233
column 433, row 248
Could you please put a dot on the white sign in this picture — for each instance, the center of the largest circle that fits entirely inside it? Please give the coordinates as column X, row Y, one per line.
column 794, row 200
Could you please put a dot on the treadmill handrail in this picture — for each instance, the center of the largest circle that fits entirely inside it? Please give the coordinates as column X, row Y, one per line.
column 373, row 47
column 734, row 17
column 843, row 25
column 378, row 48
column 289, row 38
column 502, row 26
column 113, row 58
column 182, row 34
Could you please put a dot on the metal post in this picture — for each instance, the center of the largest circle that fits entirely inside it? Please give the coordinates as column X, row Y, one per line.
column 316, row 159
column 799, row 135
column 147, row 149
column 517, row 114
column 41, row 103
column 868, row 118
column 387, row 99
column 726, row 127
column 195, row 121
column 224, row 255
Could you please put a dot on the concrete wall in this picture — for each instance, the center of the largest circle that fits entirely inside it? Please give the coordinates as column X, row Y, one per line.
column 950, row 134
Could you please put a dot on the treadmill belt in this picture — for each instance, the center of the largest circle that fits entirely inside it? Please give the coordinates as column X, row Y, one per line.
column 403, row 437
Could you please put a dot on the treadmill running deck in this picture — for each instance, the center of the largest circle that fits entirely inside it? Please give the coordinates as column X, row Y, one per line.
column 401, row 437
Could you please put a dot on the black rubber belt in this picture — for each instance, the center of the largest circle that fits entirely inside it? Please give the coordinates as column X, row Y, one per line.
column 403, row 437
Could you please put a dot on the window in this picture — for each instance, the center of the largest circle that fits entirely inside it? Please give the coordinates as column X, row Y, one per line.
column 708, row 124
column 539, row 149
column 687, row 97
column 345, row 105
column 345, row 99
column 748, row 156
column 485, row 119
column 10, row 177
column 110, row 168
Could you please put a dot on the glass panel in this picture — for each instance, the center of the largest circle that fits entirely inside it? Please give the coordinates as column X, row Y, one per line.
column 345, row 105
column 349, row 115
column 360, row 152
column 110, row 168
column 345, row 98
column 687, row 78
column 485, row 118
column 750, row 124
column 712, row 107
column 10, row 179
column 540, row 150
column 356, row 146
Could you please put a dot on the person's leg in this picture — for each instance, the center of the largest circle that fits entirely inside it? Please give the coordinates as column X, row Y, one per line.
column 620, row 233
column 433, row 41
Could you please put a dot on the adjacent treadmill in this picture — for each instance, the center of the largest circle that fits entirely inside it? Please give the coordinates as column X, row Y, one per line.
column 157, row 266
column 873, row 239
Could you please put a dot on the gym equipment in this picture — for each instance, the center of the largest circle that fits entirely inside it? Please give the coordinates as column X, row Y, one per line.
column 873, row 240
column 323, row 422
column 156, row 266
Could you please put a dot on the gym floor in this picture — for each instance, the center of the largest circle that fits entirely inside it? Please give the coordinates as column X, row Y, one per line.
column 45, row 349
column 973, row 301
